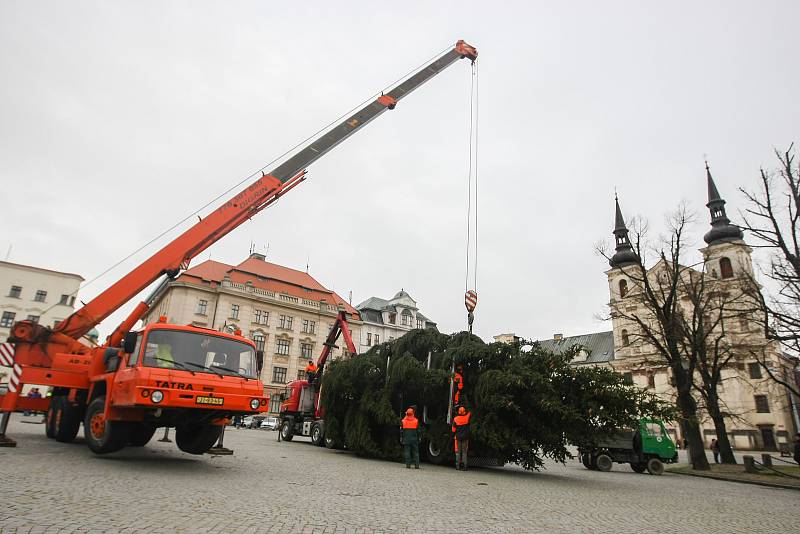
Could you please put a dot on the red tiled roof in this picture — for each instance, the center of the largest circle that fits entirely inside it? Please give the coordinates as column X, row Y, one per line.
column 268, row 276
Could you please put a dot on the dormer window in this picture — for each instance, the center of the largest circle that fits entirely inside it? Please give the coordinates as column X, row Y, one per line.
column 406, row 318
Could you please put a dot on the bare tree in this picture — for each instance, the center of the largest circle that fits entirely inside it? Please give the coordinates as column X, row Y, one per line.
column 659, row 319
column 773, row 217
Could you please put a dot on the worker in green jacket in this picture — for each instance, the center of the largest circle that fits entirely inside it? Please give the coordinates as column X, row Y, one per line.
column 410, row 437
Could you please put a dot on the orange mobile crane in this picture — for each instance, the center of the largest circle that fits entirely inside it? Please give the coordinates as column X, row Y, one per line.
column 165, row 375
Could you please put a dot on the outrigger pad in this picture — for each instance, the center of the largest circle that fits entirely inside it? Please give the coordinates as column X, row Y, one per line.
column 5, row 441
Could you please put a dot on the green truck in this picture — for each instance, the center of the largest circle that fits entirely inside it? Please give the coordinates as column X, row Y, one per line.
column 647, row 448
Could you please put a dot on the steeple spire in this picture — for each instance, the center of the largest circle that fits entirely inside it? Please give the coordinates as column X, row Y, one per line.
column 624, row 254
column 722, row 230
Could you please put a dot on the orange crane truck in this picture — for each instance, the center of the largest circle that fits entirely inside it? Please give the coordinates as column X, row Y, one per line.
column 165, row 375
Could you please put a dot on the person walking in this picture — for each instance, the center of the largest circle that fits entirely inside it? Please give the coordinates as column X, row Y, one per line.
column 715, row 450
column 461, row 437
column 410, row 437
column 797, row 447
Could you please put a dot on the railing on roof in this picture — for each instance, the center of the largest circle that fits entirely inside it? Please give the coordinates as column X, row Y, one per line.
column 271, row 295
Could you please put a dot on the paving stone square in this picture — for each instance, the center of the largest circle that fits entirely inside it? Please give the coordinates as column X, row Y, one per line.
column 295, row 487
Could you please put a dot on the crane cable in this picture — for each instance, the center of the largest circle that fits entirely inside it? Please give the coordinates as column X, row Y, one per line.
column 472, row 192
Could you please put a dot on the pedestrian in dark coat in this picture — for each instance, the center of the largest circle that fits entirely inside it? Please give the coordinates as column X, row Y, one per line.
column 797, row 447
column 715, row 450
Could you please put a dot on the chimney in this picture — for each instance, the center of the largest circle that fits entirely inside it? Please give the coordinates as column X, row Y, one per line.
column 558, row 337
column 258, row 256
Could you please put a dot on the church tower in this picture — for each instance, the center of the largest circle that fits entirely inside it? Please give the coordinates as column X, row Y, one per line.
column 619, row 283
column 727, row 255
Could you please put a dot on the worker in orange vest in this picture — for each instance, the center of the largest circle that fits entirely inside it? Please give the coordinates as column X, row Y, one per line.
column 410, row 438
column 461, row 437
column 311, row 370
column 458, row 381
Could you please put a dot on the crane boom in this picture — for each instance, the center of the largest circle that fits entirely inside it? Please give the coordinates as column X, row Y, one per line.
column 176, row 255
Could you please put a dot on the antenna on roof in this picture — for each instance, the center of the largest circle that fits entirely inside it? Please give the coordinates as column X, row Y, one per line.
column 8, row 253
column 267, row 252
column 307, row 259
column 350, row 298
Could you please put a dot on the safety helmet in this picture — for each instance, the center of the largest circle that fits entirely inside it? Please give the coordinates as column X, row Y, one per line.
column 410, row 411
column 461, row 410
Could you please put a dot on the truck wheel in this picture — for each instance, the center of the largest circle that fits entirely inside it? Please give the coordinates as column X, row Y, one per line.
column 196, row 439
column 141, row 434
column 103, row 436
column 655, row 467
column 435, row 455
column 316, row 435
column 286, row 431
column 586, row 460
column 66, row 421
column 50, row 418
column 639, row 467
column 604, row 462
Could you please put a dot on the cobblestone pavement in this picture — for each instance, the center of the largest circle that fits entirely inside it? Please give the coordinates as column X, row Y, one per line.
column 294, row 487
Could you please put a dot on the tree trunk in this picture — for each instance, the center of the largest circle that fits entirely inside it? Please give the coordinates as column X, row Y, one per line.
column 724, row 444
column 688, row 407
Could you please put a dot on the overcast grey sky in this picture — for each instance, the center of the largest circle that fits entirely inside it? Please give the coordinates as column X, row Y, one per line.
column 118, row 119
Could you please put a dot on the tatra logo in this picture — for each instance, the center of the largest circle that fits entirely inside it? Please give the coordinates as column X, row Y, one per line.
column 173, row 385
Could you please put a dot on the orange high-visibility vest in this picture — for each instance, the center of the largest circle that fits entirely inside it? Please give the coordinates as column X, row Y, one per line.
column 311, row 368
column 461, row 420
column 458, row 379
column 410, row 422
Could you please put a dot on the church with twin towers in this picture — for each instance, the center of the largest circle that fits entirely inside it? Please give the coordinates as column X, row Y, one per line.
column 759, row 414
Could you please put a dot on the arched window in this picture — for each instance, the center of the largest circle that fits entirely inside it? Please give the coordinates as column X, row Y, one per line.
column 625, row 339
column 258, row 338
column 725, row 268
column 623, row 288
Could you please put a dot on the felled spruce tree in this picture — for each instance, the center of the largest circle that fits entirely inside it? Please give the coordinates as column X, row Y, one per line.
column 526, row 403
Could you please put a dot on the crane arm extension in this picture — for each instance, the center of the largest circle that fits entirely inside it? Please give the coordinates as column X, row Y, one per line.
column 267, row 189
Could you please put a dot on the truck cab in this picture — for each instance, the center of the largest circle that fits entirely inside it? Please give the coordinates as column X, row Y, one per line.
column 646, row 448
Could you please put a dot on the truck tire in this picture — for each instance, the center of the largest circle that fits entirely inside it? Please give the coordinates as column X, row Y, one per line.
column 434, row 454
column 639, row 467
column 196, row 439
column 50, row 418
column 655, row 467
column 66, row 421
column 286, row 431
column 317, row 437
column 604, row 462
column 141, row 434
column 103, row 436
column 586, row 460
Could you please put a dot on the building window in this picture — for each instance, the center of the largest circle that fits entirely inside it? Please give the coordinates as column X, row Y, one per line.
column 305, row 350
column 651, row 381
column 41, row 295
column 755, row 369
column 762, row 403
column 282, row 347
column 285, row 322
column 64, row 300
column 202, row 307
column 377, row 339
column 258, row 339
column 623, row 288
column 261, row 317
column 369, row 339
column 15, row 292
column 625, row 339
column 33, row 318
column 274, row 404
column 8, row 319
column 627, row 378
column 234, row 311
column 420, row 324
column 301, row 374
column 725, row 268
column 309, row 326
column 406, row 318
column 279, row 375
column 71, row 301
column 393, row 318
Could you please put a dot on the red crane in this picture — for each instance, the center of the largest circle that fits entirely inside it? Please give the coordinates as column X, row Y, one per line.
column 125, row 389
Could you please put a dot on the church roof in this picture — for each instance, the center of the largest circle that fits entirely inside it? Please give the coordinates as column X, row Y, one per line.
column 599, row 346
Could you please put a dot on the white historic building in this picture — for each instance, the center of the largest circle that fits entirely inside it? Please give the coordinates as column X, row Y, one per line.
column 386, row 320
column 758, row 413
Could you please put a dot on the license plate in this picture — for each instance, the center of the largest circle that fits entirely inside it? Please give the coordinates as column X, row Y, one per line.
column 216, row 401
